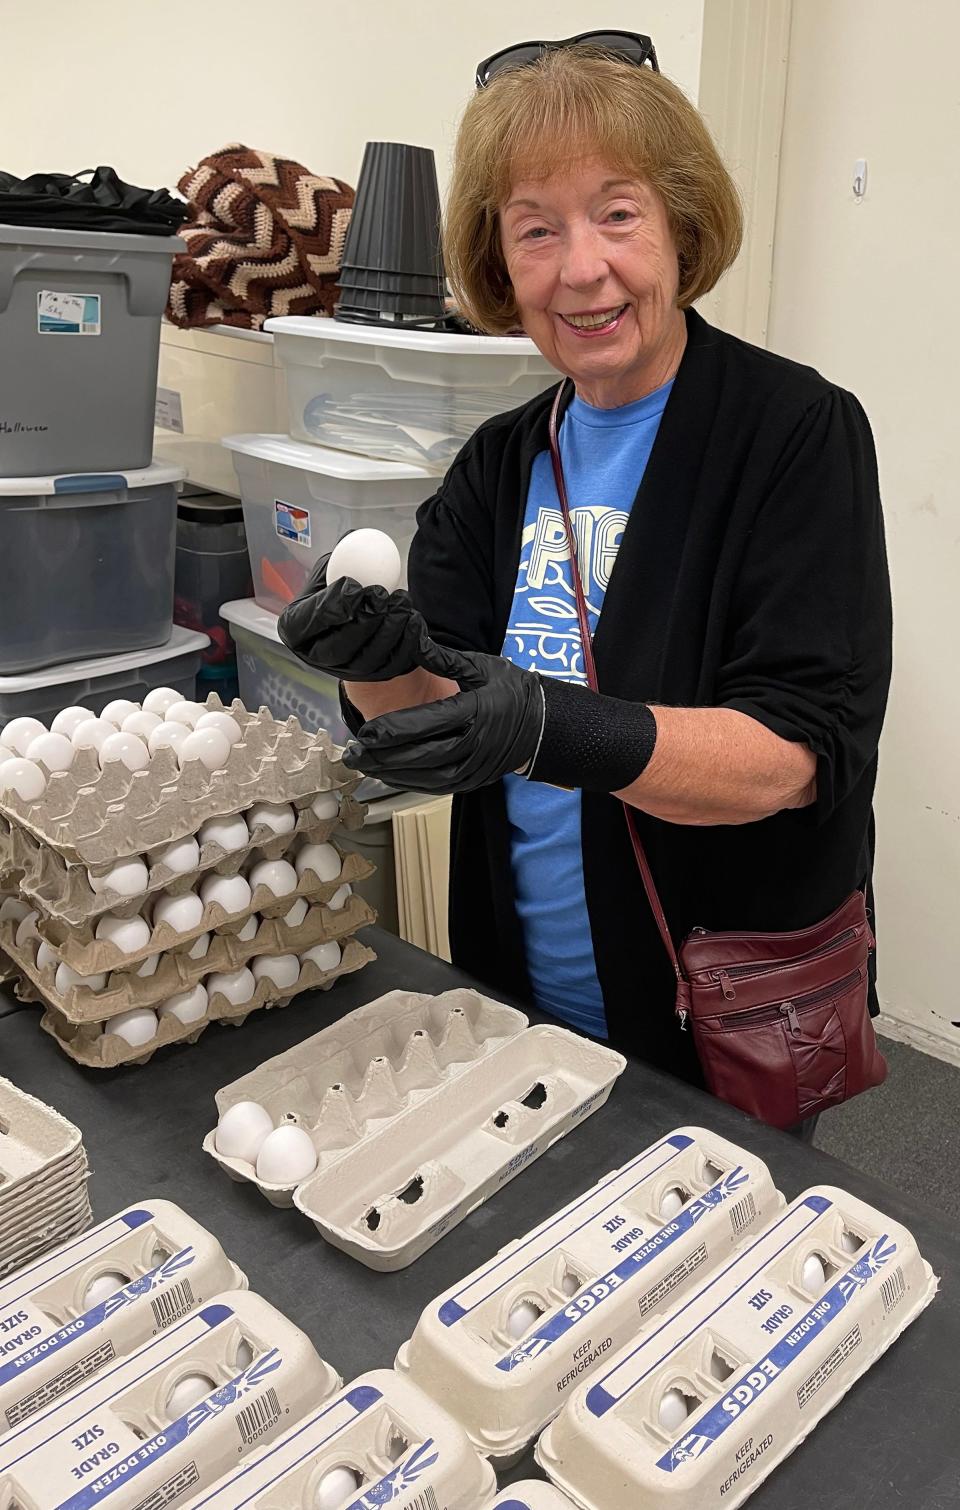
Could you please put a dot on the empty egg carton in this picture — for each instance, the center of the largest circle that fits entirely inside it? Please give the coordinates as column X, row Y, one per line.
column 703, row 1404
column 507, row 1345
column 173, row 1416
column 43, row 1179
column 380, row 1441
column 532, row 1494
column 66, row 1316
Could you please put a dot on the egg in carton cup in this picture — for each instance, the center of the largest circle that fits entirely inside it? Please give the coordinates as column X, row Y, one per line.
column 508, row 1344
column 167, row 1420
column 67, row 1315
column 532, row 1494
column 379, row 1441
column 338, row 1085
column 700, row 1407
column 94, row 817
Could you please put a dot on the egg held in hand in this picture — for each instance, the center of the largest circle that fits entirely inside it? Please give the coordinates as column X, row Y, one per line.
column 366, row 556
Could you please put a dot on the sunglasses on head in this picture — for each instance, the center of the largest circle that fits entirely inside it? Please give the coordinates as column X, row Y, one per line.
column 629, row 45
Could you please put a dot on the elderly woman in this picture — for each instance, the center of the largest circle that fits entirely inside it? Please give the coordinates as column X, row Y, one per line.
column 724, row 505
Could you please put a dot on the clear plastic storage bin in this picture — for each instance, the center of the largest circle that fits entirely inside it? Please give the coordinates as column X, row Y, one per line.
column 94, row 683
column 88, row 565
column 272, row 677
column 298, row 501
column 404, row 395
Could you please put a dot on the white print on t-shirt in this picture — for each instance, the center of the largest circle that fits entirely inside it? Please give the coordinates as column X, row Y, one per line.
column 543, row 634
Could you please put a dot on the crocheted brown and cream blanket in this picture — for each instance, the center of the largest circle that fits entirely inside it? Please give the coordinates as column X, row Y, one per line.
column 266, row 239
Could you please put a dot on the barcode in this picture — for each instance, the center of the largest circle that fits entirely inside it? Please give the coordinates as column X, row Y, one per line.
column 425, row 1501
column 892, row 1290
column 743, row 1213
column 171, row 1304
column 258, row 1417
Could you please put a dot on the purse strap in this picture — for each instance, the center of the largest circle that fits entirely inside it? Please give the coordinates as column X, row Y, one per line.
column 591, row 672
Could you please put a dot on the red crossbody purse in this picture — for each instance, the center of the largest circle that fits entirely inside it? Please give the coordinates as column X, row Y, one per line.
column 780, row 1020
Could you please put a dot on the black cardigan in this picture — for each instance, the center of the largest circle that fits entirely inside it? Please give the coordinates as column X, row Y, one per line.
column 752, row 574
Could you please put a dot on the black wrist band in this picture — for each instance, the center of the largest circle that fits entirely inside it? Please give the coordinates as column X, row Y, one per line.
column 351, row 716
column 598, row 743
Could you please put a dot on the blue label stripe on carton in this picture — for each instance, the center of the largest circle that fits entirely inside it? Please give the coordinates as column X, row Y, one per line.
column 129, row 1221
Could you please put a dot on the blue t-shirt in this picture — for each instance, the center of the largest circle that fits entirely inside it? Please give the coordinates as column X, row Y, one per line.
column 604, row 453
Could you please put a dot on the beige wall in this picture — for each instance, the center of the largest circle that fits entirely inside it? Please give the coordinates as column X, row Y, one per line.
column 152, row 85
column 865, row 293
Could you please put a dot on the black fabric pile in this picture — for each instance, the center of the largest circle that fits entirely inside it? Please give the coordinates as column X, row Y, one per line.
column 96, row 200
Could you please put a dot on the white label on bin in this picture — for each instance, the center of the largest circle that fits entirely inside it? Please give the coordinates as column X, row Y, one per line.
column 168, row 410
column 68, row 314
column 291, row 523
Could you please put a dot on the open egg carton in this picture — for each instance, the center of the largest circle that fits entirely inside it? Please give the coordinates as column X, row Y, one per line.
column 699, row 1408
column 401, row 1131
column 43, row 1178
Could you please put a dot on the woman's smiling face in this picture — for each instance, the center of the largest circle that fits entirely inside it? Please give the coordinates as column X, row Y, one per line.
column 594, row 270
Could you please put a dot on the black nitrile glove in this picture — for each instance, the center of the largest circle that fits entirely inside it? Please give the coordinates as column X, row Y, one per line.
column 359, row 634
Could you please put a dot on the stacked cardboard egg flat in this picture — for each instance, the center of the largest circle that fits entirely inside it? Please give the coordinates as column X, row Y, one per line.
column 43, row 1178
column 143, row 904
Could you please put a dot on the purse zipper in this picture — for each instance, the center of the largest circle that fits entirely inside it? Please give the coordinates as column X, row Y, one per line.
column 788, row 1010
column 726, row 977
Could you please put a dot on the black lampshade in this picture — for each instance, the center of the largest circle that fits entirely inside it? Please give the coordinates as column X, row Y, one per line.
column 392, row 263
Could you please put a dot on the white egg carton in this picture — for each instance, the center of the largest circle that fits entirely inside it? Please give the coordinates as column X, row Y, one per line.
column 507, row 1345
column 532, row 1494
column 92, row 1044
column 114, row 1441
column 93, row 817
column 396, row 1444
column 362, row 1071
column 64, row 890
column 745, row 1367
column 52, row 1337
column 177, row 971
column 36, row 1142
column 400, row 1187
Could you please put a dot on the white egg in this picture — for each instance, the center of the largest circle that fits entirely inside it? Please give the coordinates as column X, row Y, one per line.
column 297, row 913
column 570, row 1283
column 180, row 857
column 226, row 724
column 13, row 907
column 127, row 879
column 849, row 1241
column 286, row 1156
column 92, row 734
column 283, row 970
column 160, row 699
column 522, row 1317
column 188, row 1392
column 322, row 859
column 184, row 712
column 241, row 1131
column 55, row 750
column 334, row 1488
column 23, row 777
column 129, row 935
column 208, row 746
column 115, row 712
column 6, row 754
column 127, row 748
column 135, row 1027
column 278, row 876
column 149, row 966
column 278, row 817
column 229, row 834
column 19, row 733
column 68, row 719
column 101, row 1288
column 141, row 724
column 327, row 805
column 245, row 1354
column 674, row 1409
column 47, row 958
column 199, row 947
column 179, row 913
column 250, row 929
column 340, row 898
column 236, row 985
column 187, row 1006
column 368, row 556
column 69, row 980
column 814, row 1273
column 27, row 930
column 232, row 893
column 167, row 737
column 672, row 1203
column 324, row 956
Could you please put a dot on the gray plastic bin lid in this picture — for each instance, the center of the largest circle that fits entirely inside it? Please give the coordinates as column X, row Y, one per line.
column 88, row 241
column 181, row 642
column 153, row 476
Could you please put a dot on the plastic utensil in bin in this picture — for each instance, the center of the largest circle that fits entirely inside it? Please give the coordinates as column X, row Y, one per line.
column 505, row 1346
column 704, row 1403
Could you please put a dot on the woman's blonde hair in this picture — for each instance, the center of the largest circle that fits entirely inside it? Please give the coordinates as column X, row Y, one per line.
column 574, row 103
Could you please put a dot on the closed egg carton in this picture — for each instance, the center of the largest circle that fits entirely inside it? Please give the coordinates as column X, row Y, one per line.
column 94, row 817
column 177, row 971
column 507, row 1344
column 120, row 1439
column 63, row 890
column 369, row 1065
column 88, row 1043
column 532, row 1494
column 36, row 1140
column 699, row 1408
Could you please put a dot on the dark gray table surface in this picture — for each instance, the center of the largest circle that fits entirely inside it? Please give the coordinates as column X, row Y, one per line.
column 892, row 1441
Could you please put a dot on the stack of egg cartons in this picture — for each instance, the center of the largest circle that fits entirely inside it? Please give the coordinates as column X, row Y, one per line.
column 172, row 871
column 43, row 1182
